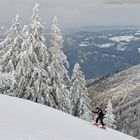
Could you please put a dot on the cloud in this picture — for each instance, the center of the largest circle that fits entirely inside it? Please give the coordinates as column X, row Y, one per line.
column 73, row 12
column 121, row 2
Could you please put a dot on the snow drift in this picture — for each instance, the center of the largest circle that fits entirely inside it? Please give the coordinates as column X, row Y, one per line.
column 25, row 120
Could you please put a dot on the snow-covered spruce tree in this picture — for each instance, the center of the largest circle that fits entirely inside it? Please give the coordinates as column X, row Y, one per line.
column 6, row 83
column 11, row 47
column 32, row 79
column 36, row 28
column 57, row 70
column 79, row 95
column 109, row 117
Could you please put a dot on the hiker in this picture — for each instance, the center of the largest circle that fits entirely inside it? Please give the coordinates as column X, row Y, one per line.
column 100, row 117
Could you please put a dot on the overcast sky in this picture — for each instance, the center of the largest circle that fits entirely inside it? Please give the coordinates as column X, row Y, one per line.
column 74, row 13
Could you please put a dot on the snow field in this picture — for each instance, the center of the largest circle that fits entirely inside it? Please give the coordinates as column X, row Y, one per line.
column 25, row 120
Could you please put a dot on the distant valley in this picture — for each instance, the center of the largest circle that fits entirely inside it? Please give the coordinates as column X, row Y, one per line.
column 103, row 52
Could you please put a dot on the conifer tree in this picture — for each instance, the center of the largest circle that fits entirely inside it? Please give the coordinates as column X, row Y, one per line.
column 36, row 29
column 11, row 47
column 79, row 95
column 6, row 83
column 57, row 70
column 109, row 117
column 32, row 79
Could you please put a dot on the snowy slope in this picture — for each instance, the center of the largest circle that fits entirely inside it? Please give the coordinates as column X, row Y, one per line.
column 25, row 120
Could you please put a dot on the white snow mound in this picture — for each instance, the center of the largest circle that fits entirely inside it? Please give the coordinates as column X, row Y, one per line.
column 25, row 120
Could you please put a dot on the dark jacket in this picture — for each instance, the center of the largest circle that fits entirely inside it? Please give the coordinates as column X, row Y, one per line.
column 100, row 113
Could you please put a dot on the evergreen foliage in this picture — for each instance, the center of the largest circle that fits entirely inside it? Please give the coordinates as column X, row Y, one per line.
column 57, row 70
column 30, row 70
column 79, row 95
column 109, row 117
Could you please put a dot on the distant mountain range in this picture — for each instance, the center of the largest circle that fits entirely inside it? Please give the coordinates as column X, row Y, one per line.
column 103, row 52
column 100, row 28
column 123, row 88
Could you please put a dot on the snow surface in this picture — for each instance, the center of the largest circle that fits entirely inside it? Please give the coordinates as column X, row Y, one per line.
column 25, row 120
column 123, row 38
column 137, row 33
column 121, row 47
column 138, row 49
column 84, row 44
column 107, row 45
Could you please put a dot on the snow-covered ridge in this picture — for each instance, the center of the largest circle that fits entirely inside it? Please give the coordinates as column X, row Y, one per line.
column 123, row 88
column 25, row 120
